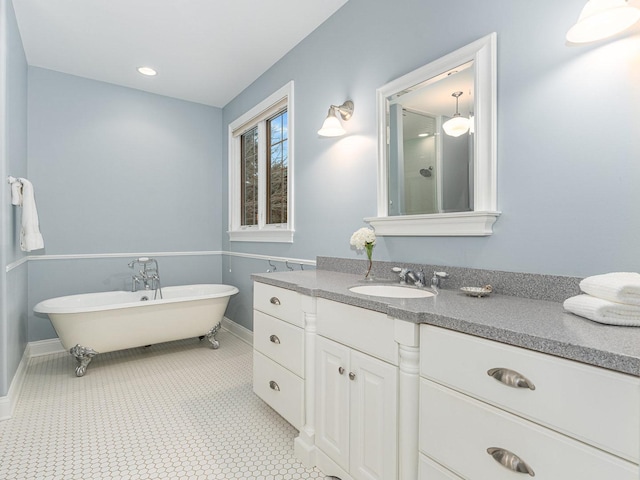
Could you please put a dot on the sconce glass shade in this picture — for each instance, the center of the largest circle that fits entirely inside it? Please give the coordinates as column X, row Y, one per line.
column 331, row 126
column 456, row 126
column 601, row 19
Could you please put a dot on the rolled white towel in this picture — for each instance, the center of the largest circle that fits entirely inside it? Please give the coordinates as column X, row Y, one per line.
column 621, row 287
column 603, row 311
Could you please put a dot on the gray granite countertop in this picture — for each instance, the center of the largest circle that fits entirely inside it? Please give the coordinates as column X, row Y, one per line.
column 537, row 325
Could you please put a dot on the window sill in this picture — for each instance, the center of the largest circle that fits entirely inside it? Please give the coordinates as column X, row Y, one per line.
column 249, row 235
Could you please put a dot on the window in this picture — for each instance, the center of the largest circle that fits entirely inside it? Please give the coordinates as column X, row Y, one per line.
column 261, row 171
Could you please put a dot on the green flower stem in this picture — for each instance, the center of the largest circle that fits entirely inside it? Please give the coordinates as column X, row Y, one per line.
column 369, row 248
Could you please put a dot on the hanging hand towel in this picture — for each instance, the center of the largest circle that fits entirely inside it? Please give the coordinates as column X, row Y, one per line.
column 30, row 236
column 16, row 192
column 621, row 287
column 603, row 311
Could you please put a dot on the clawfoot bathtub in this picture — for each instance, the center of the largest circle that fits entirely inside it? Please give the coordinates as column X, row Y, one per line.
column 93, row 323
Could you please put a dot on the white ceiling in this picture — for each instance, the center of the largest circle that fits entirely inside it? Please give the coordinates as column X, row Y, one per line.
column 205, row 51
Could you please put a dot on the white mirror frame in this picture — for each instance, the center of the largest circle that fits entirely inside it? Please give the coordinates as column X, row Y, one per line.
column 478, row 222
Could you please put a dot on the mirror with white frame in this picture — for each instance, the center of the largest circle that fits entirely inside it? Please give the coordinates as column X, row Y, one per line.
column 437, row 147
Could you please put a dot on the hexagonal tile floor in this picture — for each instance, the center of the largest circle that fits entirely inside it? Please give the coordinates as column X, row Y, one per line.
column 178, row 410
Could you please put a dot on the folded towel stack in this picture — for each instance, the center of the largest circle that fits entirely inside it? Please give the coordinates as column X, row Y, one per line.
column 612, row 298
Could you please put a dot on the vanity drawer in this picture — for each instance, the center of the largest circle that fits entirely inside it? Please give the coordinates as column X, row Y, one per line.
column 280, row 341
column 457, row 432
column 592, row 404
column 279, row 388
column 365, row 330
column 430, row 470
column 278, row 302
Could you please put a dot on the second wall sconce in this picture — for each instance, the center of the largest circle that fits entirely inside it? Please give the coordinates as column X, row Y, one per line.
column 601, row 19
column 332, row 127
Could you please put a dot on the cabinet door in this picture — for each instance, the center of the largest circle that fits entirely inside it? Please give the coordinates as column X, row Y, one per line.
column 373, row 423
column 332, row 400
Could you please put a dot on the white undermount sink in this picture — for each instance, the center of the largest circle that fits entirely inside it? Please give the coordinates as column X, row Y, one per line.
column 391, row 291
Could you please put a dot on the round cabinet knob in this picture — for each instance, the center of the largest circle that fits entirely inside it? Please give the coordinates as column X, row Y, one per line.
column 340, row 370
column 274, row 386
column 352, row 376
column 274, row 300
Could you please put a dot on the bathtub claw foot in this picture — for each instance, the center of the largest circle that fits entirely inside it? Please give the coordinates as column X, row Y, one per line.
column 84, row 356
column 211, row 336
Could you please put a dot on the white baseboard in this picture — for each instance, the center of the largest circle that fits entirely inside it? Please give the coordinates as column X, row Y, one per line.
column 238, row 330
column 8, row 402
column 45, row 347
column 33, row 349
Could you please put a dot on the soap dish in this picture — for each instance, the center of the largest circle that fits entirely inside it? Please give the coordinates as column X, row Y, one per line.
column 478, row 291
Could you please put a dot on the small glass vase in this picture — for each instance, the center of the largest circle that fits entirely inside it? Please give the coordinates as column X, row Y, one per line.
column 367, row 276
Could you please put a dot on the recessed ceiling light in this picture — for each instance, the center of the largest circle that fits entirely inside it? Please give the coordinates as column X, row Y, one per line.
column 148, row 71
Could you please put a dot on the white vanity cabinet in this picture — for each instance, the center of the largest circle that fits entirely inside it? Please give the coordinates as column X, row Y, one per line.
column 356, row 427
column 489, row 410
column 279, row 351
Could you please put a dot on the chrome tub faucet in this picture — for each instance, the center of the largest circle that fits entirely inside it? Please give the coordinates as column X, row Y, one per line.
column 148, row 276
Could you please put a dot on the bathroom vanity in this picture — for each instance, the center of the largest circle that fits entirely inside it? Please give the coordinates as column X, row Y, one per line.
column 447, row 387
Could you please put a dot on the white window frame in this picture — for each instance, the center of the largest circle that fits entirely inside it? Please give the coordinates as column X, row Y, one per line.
column 257, row 116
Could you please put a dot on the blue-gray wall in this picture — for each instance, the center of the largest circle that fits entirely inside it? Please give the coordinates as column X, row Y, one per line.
column 568, row 143
column 120, row 171
column 13, row 161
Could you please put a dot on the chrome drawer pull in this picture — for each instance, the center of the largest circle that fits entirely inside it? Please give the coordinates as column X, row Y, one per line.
column 275, row 301
column 352, row 376
column 274, row 386
column 510, row 460
column 511, row 378
column 274, row 339
column 340, row 370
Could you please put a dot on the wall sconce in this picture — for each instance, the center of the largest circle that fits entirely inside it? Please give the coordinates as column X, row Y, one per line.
column 332, row 126
column 601, row 19
column 457, row 125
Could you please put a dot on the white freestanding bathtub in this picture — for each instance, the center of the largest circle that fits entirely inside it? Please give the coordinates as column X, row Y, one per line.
column 93, row 323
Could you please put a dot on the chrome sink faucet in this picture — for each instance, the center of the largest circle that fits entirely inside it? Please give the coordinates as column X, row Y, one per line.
column 418, row 278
